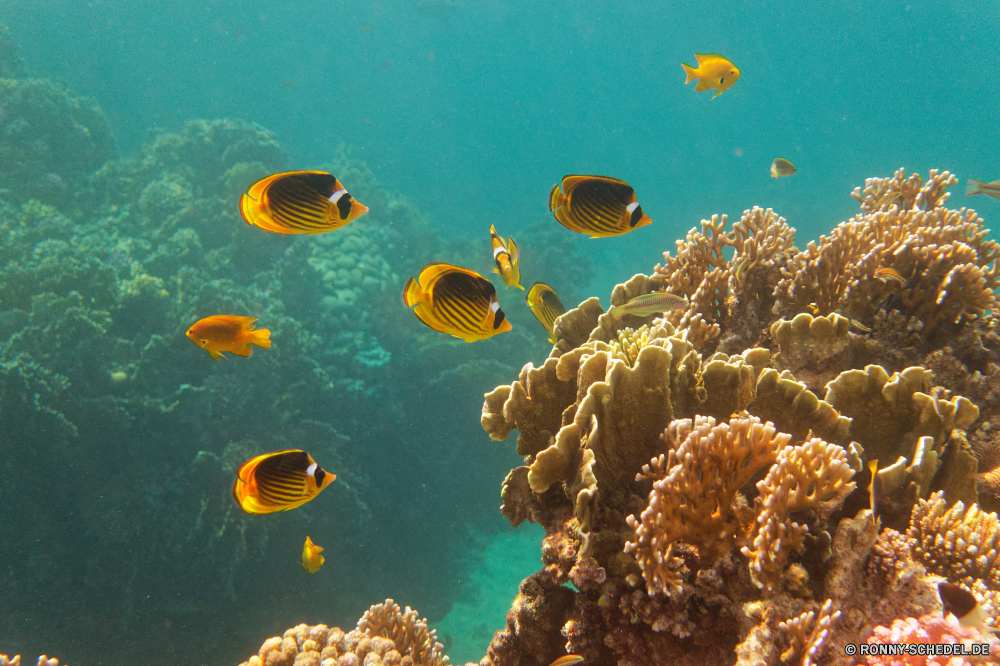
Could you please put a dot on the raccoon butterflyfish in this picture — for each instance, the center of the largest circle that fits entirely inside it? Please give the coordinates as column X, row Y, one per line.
column 647, row 304
column 457, row 301
column 545, row 305
column 596, row 205
column 781, row 167
column 506, row 256
column 279, row 481
column 989, row 189
column 713, row 71
column 228, row 333
column 299, row 202
column 964, row 606
column 311, row 558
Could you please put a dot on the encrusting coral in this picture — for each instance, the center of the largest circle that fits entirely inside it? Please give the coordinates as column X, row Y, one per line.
column 385, row 635
column 698, row 474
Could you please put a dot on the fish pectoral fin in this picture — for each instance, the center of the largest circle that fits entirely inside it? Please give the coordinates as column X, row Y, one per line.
column 243, row 350
column 512, row 250
column 216, row 355
column 519, row 287
column 497, row 271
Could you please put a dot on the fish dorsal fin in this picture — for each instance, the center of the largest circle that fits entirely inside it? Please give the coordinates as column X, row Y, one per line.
column 570, row 182
column 234, row 319
column 706, row 57
column 432, row 272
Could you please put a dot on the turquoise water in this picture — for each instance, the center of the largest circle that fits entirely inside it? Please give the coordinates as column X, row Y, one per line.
column 120, row 539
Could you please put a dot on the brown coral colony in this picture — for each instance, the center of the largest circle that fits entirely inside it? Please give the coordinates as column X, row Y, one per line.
column 703, row 477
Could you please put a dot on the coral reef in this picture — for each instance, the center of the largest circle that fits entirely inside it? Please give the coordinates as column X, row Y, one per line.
column 385, row 635
column 52, row 142
column 699, row 475
column 930, row 629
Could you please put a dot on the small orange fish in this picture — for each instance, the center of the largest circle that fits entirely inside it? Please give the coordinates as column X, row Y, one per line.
column 890, row 275
column 228, row 333
column 279, row 481
column 311, row 558
column 567, row 660
column 989, row 189
column 368, row 29
column 713, row 71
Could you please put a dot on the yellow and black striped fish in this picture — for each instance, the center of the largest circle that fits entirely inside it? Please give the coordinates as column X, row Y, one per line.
column 279, row 481
column 597, row 205
column 457, row 301
column 299, row 202
column 506, row 256
column 545, row 305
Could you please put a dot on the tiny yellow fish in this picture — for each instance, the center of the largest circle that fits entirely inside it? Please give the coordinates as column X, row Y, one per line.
column 506, row 256
column 567, row 660
column 311, row 558
column 228, row 333
column 782, row 167
column 875, row 489
column 989, row 189
column 713, row 71
column 890, row 275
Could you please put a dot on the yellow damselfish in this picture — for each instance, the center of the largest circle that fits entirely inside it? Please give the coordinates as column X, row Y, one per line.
column 311, row 558
column 713, row 72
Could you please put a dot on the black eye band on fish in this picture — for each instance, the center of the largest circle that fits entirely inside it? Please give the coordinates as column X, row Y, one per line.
column 498, row 321
column 635, row 210
column 343, row 201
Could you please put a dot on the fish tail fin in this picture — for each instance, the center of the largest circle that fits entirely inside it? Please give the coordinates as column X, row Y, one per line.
column 691, row 75
column 973, row 187
column 261, row 338
column 413, row 293
column 556, row 198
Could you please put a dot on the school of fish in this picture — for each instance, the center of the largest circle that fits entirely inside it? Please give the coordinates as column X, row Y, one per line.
column 462, row 303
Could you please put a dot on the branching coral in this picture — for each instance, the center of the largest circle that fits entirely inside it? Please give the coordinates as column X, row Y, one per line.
column 694, row 488
column 962, row 544
column 814, row 476
column 947, row 263
column 385, row 635
column 929, row 629
column 808, row 633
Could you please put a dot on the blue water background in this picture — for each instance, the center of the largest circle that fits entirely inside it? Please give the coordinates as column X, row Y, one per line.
column 516, row 95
